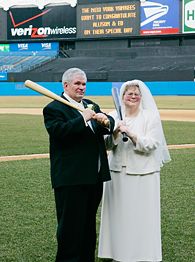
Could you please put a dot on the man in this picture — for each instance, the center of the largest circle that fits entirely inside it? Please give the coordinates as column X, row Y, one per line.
column 79, row 166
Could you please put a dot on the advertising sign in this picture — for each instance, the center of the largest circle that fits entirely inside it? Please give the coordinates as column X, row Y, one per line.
column 159, row 17
column 3, row 25
column 3, row 76
column 4, row 47
column 188, row 16
column 108, row 19
column 54, row 46
column 53, row 22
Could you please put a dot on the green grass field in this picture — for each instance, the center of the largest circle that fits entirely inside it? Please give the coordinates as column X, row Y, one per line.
column 27, row 217
column 25, row 134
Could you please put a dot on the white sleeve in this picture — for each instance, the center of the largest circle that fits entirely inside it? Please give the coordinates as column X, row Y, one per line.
column 152, row 137
column 109, row 139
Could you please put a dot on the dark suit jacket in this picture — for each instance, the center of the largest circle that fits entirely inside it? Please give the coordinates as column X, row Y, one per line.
column 74, row 147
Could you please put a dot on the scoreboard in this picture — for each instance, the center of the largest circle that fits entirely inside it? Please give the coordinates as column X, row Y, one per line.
column 99, row 20
column 108, row 20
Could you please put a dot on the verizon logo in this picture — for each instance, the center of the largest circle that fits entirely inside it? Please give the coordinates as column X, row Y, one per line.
column 35, row 32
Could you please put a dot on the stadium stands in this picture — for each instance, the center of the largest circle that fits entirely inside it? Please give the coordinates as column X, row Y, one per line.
column 169, row 56
column 24, row 61
column 149, row 63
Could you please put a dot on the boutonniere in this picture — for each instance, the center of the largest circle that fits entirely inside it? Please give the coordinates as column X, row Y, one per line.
column 92, row 106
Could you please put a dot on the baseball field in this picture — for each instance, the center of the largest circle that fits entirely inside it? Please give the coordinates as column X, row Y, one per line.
column 27, row 217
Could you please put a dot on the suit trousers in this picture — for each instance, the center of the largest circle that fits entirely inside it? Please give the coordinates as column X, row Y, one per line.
column 76, row 208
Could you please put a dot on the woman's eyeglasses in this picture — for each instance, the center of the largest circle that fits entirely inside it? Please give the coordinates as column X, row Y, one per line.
column 133, row 94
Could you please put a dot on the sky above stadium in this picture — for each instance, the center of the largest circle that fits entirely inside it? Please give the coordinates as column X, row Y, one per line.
column 40, row 3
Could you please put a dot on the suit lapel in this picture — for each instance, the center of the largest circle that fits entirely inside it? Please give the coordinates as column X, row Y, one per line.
column 70, row 108
column 84, row 103
column 93, row 122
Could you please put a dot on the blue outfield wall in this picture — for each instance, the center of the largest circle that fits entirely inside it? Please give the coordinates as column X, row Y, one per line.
column 186, row 88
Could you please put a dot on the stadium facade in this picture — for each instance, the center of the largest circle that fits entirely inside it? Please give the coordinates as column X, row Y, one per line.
column 112, row 40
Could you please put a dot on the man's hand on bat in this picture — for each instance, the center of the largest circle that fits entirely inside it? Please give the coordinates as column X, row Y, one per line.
column 88, row 114
column 101, row 119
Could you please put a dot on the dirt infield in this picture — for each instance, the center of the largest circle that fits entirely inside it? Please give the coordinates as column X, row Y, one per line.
column 38, row 156
column 175, row 115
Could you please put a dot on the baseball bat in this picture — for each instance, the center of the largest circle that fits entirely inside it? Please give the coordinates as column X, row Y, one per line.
column 44, row 91
column 117, row 105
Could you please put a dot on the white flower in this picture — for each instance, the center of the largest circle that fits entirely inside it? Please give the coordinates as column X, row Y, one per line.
column 90, row 106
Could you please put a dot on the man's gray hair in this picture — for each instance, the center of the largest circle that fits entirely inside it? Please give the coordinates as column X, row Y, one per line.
column 69, row 74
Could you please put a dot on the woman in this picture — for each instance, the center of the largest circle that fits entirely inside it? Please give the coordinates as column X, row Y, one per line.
column 130, row 229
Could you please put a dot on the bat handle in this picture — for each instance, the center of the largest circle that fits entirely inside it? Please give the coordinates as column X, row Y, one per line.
column 125, row 137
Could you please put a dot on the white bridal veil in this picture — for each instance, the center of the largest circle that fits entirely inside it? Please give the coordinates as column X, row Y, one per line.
column 148, row 102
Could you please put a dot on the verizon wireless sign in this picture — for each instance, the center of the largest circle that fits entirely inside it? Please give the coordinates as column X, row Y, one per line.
column 50, row 23
column 42, row 32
